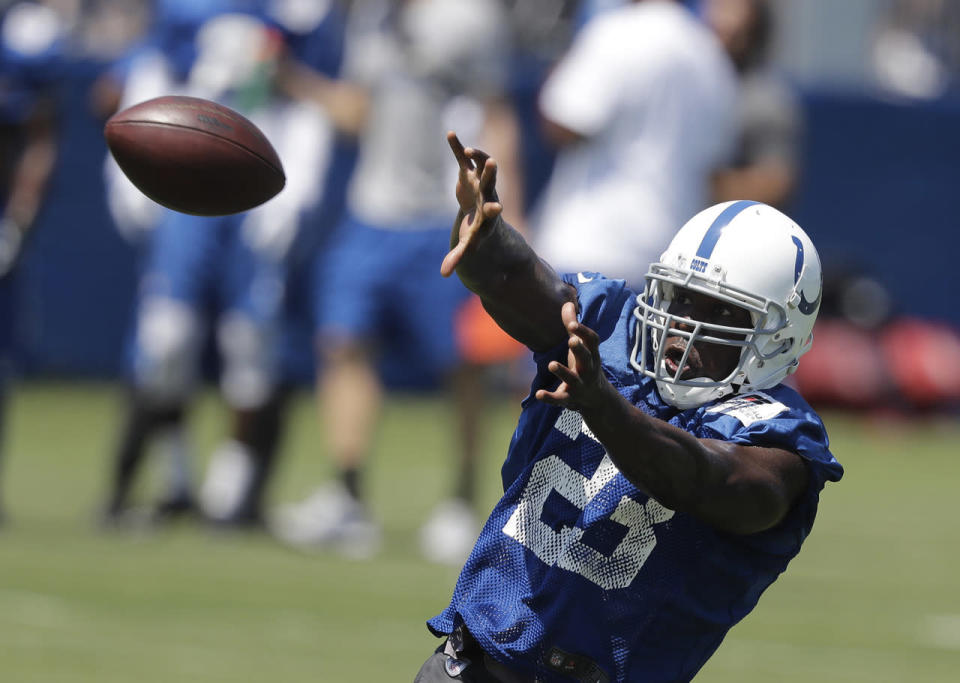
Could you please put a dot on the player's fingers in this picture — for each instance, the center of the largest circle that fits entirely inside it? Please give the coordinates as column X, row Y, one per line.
column 563, row 373
column 583, row 358
column 492, row 210
column 589, row 336
column 554, row 398
column 569, row 315
column 478, row 156
column 488, row 178
column 452, row 259
column 457, row 147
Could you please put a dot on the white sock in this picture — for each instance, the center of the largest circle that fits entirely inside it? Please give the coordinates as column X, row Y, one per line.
column 176, row 450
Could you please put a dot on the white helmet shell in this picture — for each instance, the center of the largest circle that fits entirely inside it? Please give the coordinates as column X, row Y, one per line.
column 747, row 254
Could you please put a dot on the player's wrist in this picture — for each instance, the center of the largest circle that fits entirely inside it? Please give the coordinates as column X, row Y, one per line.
column 602, row 402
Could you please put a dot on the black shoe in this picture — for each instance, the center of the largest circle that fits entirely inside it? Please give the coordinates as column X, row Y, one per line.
column 170, row 509
column 124, row 518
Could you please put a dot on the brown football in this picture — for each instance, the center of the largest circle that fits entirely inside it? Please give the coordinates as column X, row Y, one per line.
column 194, row 156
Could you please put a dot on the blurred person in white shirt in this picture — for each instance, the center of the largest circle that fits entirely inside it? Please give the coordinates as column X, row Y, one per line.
column 643, row 110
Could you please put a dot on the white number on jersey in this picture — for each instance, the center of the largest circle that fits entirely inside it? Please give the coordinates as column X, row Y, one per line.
column 564, row 548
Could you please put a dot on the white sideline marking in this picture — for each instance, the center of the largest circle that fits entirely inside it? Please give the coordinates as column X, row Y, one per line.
column 29, row 608
column 942, row 631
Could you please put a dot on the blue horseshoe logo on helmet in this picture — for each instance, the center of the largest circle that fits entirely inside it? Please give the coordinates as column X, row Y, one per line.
column 805, row 307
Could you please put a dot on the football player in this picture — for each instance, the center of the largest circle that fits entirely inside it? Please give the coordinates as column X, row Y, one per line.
column 226, row 275
column 661, row 476
column 404, row 81
column 32, row 38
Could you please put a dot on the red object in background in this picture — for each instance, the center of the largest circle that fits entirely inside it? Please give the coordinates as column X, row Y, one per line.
column 194, row 156
column 480, row 339
column 923, row 359
column 909, row 363
column 843, row 368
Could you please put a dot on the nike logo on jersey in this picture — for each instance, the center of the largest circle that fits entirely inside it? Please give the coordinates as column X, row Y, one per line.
column 581, row 278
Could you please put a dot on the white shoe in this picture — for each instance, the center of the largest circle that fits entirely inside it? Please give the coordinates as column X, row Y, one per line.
column 329, row 519
column 448, row 536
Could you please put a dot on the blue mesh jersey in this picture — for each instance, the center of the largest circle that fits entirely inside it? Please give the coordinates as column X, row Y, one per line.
column 575, row 559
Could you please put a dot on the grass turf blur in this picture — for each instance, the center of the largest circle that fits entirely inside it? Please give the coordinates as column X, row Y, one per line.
column 874, row 596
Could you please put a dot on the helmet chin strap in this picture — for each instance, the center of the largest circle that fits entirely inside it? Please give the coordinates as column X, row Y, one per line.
column 690, row 393
column 686, row 397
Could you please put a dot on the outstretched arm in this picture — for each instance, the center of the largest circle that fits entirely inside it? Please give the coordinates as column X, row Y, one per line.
column 519, row 290
column 31, row 175
column 735, row 488
column 347, row 104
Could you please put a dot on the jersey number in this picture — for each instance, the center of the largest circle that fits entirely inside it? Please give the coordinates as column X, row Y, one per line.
column 564, row 547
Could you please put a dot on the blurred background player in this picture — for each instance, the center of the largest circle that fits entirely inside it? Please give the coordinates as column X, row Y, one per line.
column 221, row 275
column 493, row 364
column 642, row 110
column 31, row 37
column 409, row 75
column 765, row 166
column 588, row 9
column 914, row 51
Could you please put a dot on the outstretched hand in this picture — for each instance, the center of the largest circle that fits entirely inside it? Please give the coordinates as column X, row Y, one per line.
column 581, row 379
column 477, row 196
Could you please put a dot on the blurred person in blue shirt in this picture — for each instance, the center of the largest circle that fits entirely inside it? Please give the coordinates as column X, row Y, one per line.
column 225, row 276
column 408, row 74
column 31, row 42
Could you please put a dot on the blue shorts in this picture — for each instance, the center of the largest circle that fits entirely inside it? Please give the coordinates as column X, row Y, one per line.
column 205, row 263
column 384, row 287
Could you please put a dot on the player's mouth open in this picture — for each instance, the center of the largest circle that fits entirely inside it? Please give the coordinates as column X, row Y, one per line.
column 673, row 355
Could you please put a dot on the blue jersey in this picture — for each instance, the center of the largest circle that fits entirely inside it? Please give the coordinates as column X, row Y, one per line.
column 574, row 559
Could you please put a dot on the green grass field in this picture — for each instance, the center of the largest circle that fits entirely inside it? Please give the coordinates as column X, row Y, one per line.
column 874, row 597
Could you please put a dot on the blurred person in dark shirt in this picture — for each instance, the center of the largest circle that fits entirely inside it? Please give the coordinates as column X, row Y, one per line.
column 765, row 167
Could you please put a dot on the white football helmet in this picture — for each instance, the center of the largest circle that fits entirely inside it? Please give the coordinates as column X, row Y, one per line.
column 743, row 253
